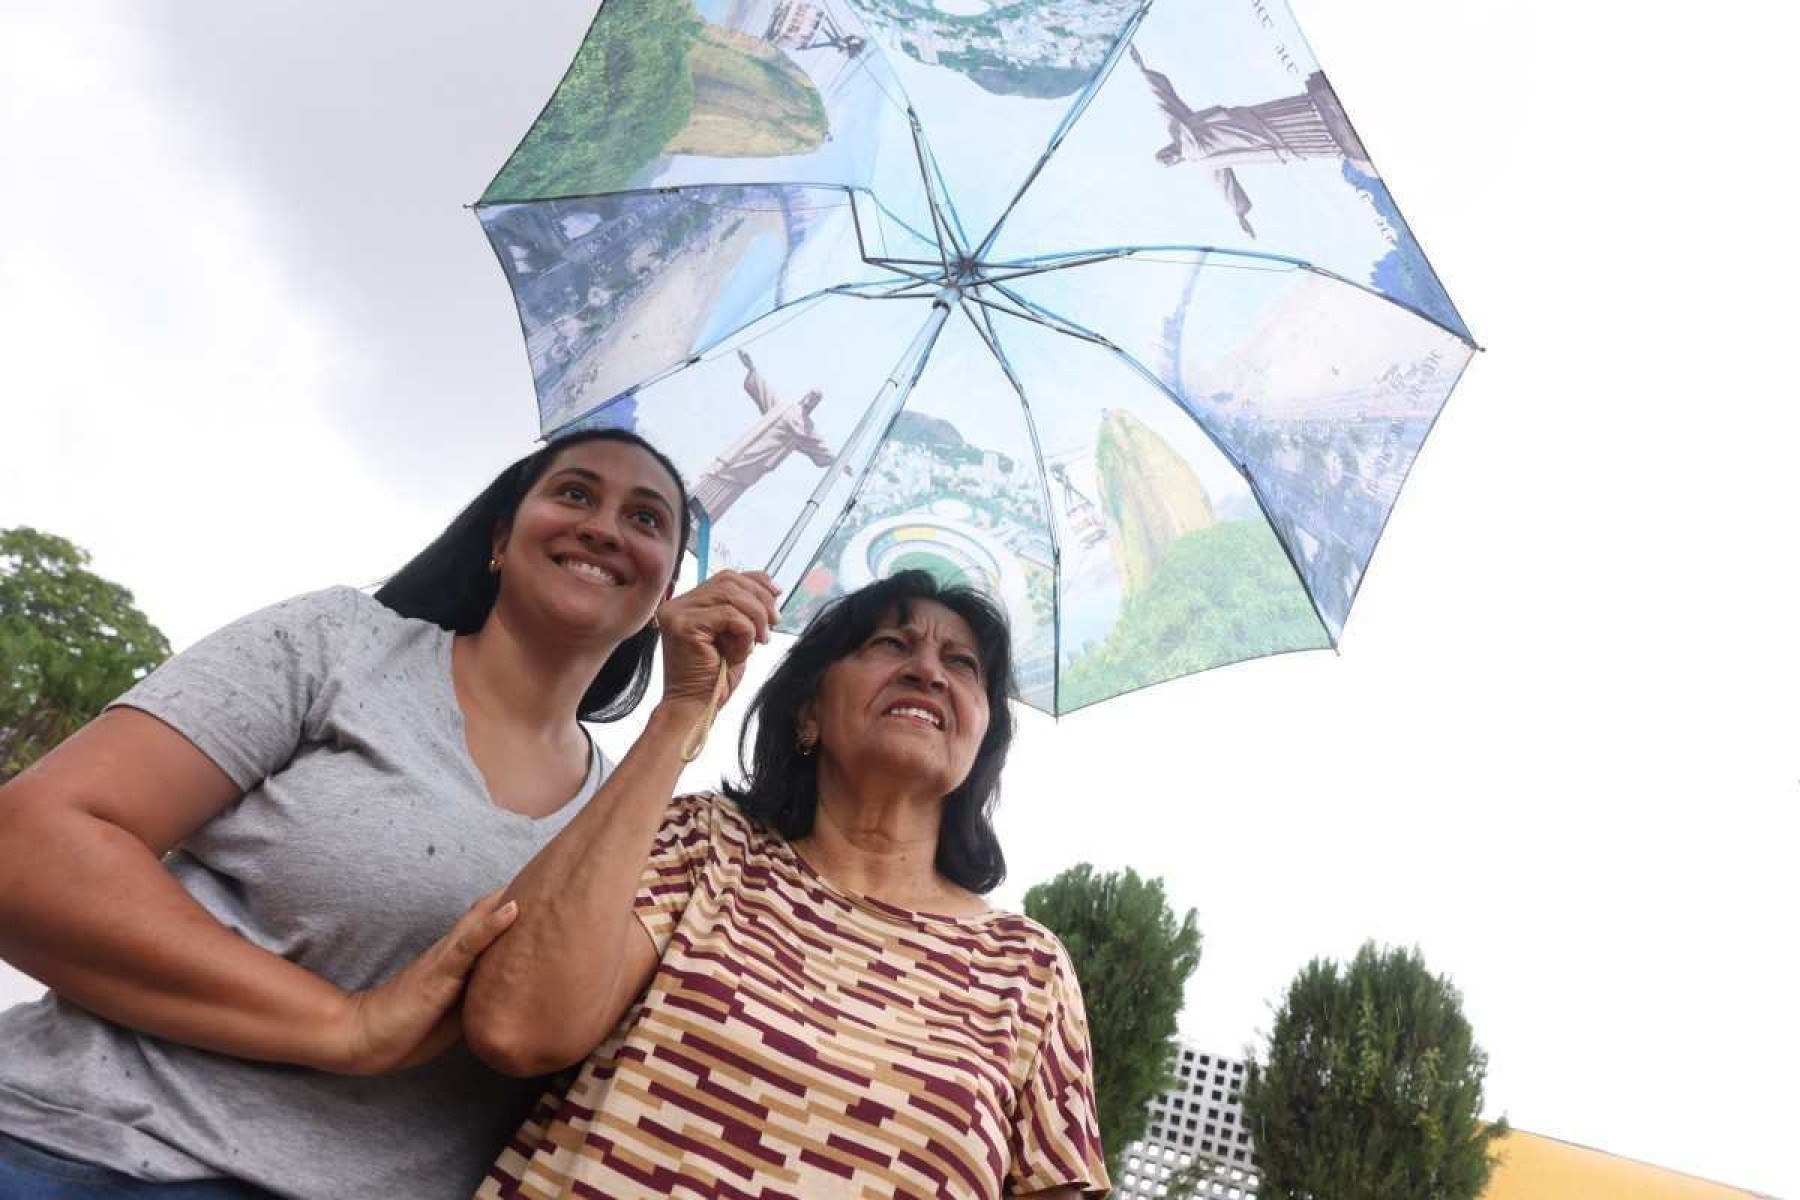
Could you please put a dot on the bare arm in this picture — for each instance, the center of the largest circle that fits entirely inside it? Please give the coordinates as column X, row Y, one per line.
column 87, row 908
column 557, row 983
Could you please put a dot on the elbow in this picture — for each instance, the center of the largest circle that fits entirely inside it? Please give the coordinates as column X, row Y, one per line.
column 510, row 1053
column 517, row 1043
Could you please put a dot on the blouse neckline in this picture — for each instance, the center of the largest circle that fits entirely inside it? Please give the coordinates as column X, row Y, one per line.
column 868, row 903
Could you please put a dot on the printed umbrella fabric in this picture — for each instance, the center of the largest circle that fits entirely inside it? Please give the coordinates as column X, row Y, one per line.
column 1097, row 304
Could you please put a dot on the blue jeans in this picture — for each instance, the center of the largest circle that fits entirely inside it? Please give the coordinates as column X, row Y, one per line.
column 27, row 1173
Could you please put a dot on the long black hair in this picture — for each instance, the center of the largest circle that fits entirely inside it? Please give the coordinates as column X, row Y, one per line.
column 448, row 583
column 781, row 786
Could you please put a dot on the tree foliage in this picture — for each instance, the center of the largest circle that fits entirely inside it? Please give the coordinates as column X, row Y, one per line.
column 1133, row 958
column 70, row 642
column 1372, row 1090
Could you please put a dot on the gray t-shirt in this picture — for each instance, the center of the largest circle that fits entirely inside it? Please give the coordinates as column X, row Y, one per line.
column 364, row 832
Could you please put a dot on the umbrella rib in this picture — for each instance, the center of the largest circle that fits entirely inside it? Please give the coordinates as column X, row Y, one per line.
column 1057, row 259
column 856, row 219
column 894, row 291
column 892, row 397
column 1064, row 325
column 899, row 102
column 892, row 296
column 1216, row 254
column 1068, row 123
column 1003, row 274
column 939, row 224
column 666, row 190
column 991, row 337
column 1038, row 316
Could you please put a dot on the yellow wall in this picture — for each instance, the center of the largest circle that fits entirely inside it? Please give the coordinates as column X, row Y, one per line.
column 1540, row 1168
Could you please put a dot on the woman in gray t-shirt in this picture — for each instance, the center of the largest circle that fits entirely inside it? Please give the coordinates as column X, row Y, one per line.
column 258, row 885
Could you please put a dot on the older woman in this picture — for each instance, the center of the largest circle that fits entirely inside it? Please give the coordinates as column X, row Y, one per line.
column 824, row 1005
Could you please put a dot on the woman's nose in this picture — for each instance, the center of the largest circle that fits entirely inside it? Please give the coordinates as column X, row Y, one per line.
column 926, row 669
column 600, row 527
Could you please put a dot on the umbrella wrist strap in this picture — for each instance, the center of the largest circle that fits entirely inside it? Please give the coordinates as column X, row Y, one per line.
column 696, row 738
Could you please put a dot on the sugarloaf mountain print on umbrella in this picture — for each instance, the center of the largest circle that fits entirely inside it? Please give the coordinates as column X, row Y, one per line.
column 1098, row 305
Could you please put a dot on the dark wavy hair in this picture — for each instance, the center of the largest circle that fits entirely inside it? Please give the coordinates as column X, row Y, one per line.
column 780, row 786
column 448, row 583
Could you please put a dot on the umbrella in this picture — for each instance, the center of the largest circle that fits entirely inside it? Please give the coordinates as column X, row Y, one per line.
column 1097, row 304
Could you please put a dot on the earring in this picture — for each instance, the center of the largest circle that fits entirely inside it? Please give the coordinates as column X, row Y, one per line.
column 805, row 742
column 493, row 564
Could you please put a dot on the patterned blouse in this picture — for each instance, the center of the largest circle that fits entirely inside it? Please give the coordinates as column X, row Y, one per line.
column 799, row 1041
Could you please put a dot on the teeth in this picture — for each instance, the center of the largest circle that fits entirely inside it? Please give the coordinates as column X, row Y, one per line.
column 599, row 573
column 920, row 714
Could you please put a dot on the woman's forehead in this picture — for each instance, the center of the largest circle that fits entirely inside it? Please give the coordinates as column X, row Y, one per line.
column 930, row 618
column 620, row 462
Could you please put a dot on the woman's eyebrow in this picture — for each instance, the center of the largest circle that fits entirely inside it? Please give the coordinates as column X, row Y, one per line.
column 583, row 472
column 650, row 493
column 644, row 491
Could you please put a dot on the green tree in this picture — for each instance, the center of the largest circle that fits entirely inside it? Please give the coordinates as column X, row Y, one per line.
column 70, row 642
column 1133, row 958
column 1373, row 1087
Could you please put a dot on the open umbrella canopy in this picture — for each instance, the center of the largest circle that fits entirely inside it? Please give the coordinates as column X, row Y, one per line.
column 1099, row 305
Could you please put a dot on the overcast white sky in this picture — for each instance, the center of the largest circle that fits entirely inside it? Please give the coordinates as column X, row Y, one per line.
column 251, row 344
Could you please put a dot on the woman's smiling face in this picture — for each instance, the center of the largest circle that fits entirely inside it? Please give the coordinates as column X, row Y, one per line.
column 595, row 543
column 910, row 701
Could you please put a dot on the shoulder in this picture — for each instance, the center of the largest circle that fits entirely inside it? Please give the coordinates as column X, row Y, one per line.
column 350, row 621
column 329, row 615
column 332, row 633
column 332, row 604
column 713, row 816
column 1026, row 937
column 1028, row 953
column 708, row 830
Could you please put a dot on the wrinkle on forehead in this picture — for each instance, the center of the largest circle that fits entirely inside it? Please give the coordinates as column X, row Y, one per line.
column 906, row 615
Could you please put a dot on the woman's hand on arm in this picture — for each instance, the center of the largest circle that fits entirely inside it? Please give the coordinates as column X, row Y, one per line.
column 576, row 959
column 87, row 907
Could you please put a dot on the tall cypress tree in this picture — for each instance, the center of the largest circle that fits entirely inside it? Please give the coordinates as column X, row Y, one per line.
column 1133, row 958
column 1372, row 1089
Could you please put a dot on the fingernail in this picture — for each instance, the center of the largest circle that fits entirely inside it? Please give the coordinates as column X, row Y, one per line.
column 509, row 909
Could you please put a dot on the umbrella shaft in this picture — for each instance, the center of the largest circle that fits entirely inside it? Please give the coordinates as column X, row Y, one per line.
column 887, row 405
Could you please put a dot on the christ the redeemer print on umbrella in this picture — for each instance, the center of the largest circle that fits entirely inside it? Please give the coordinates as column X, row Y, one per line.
column 1098, row 304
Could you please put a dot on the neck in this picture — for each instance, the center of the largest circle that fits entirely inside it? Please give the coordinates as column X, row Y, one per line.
column 880, row 842
column 525, row 682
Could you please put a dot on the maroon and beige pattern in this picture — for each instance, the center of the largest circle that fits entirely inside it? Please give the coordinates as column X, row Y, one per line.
column 799, row 1041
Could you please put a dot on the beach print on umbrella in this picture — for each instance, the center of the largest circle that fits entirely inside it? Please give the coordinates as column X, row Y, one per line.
column 613, row 290
column 1102, row 308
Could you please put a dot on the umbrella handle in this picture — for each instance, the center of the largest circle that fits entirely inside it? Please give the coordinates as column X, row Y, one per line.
column 696, row 738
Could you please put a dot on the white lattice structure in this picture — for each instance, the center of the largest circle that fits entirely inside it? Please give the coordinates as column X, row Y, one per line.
column 1199, row 1120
